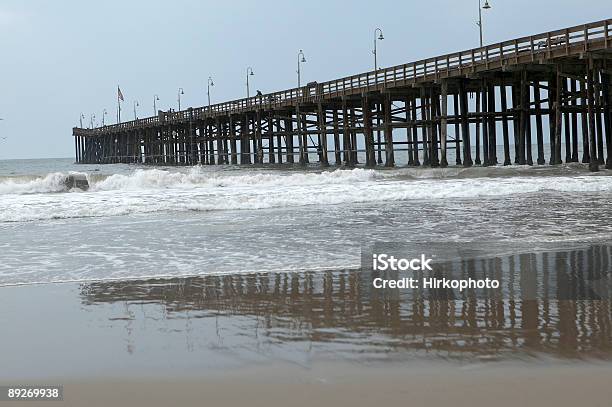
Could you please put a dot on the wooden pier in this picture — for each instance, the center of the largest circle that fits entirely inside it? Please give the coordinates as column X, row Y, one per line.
column 417, row 113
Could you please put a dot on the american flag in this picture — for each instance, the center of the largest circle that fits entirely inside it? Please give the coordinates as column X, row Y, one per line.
column 119, row 94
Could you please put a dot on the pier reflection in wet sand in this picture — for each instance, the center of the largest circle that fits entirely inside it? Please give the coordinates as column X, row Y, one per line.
column 546, row 308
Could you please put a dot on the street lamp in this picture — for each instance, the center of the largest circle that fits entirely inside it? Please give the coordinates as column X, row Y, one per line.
column 135, row 105
column 180, row 92
column 299, row 62
column 155, row 99
column 209, row 84
column 249, row 69
column 374, row 51
column 104, row 113
column 479, row 23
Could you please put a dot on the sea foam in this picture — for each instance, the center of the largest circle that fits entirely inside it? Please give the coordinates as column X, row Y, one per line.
column 155, row 190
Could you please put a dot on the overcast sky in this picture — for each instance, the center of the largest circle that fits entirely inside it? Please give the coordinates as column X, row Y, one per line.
column 61, row 58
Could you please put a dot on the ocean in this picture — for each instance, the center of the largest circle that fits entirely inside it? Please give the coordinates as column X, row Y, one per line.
column 139, row 222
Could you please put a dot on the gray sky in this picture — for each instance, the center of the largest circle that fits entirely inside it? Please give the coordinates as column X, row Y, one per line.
column 61, row 58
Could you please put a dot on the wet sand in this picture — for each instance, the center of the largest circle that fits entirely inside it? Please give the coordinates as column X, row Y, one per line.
column 314, row 338
column 554, row 385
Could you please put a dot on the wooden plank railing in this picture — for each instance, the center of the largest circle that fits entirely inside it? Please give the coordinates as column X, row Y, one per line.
column 543, row 45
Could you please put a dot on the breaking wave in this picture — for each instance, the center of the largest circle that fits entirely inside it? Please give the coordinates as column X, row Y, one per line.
column 151, row 179
column 198, row 189
column 21, row 185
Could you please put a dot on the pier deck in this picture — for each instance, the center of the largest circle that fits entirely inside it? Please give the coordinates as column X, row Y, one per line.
column 470, row 101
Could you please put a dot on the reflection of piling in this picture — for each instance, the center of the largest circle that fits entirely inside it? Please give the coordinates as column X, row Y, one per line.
column 550, row 306
column 397, row 109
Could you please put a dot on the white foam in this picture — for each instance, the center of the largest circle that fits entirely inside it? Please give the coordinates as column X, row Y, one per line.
column 151, row 179
column 154, row 190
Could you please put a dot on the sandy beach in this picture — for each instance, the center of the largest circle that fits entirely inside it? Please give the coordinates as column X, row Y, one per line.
column 555, row 385
column 303, row 338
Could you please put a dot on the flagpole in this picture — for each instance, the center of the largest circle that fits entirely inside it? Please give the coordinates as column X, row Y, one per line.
column 118, row 107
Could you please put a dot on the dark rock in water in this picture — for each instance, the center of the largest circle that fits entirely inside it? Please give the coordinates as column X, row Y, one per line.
column 76, row 181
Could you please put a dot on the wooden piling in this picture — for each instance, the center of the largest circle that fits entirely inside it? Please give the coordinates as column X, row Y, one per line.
column 505, row 128
column 388, row 131
column 415, row 132
column 566, row 123
column 586, row 150
column 434, row 113
column 485, row 123
column 598, row 114
column 221, row 156
column 279, row 140
column 232, row 135
column 593, row 162
column 289, row 140
column 558, row 115
column 607, row 117
column 257, row 141
column 554, row 98
column 210, row 134
column 537, row 97
column 337, row 152
column 465, row 124
column 424, row 126
column 457, row 128
column 524, row 99
column 526, row 106
column 516, row 119
column 574, row 116
column 492, row 126
column 305, row 150
column 353, row 127
column 377, row 107
column 444, row 124
column 346, row 135
column 477, row 160
column 367, row 132
column 322, row 123
column 301, row 147
column 408, row 119
column 245, row 155
column 270, row 138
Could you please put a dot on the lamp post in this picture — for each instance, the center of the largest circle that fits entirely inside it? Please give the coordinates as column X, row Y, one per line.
column 135, row 105
column 208, row 85
column 374, row 51
column 378, row 35
column 155, row 99
column 479, row 23
column 299, row 62
column 249, row 72
column 180, row 92
column 104, row 113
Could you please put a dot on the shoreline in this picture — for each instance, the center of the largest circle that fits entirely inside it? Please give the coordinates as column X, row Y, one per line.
column 341, row 385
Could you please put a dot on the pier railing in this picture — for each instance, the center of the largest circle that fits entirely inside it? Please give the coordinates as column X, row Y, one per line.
column 546, row 46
